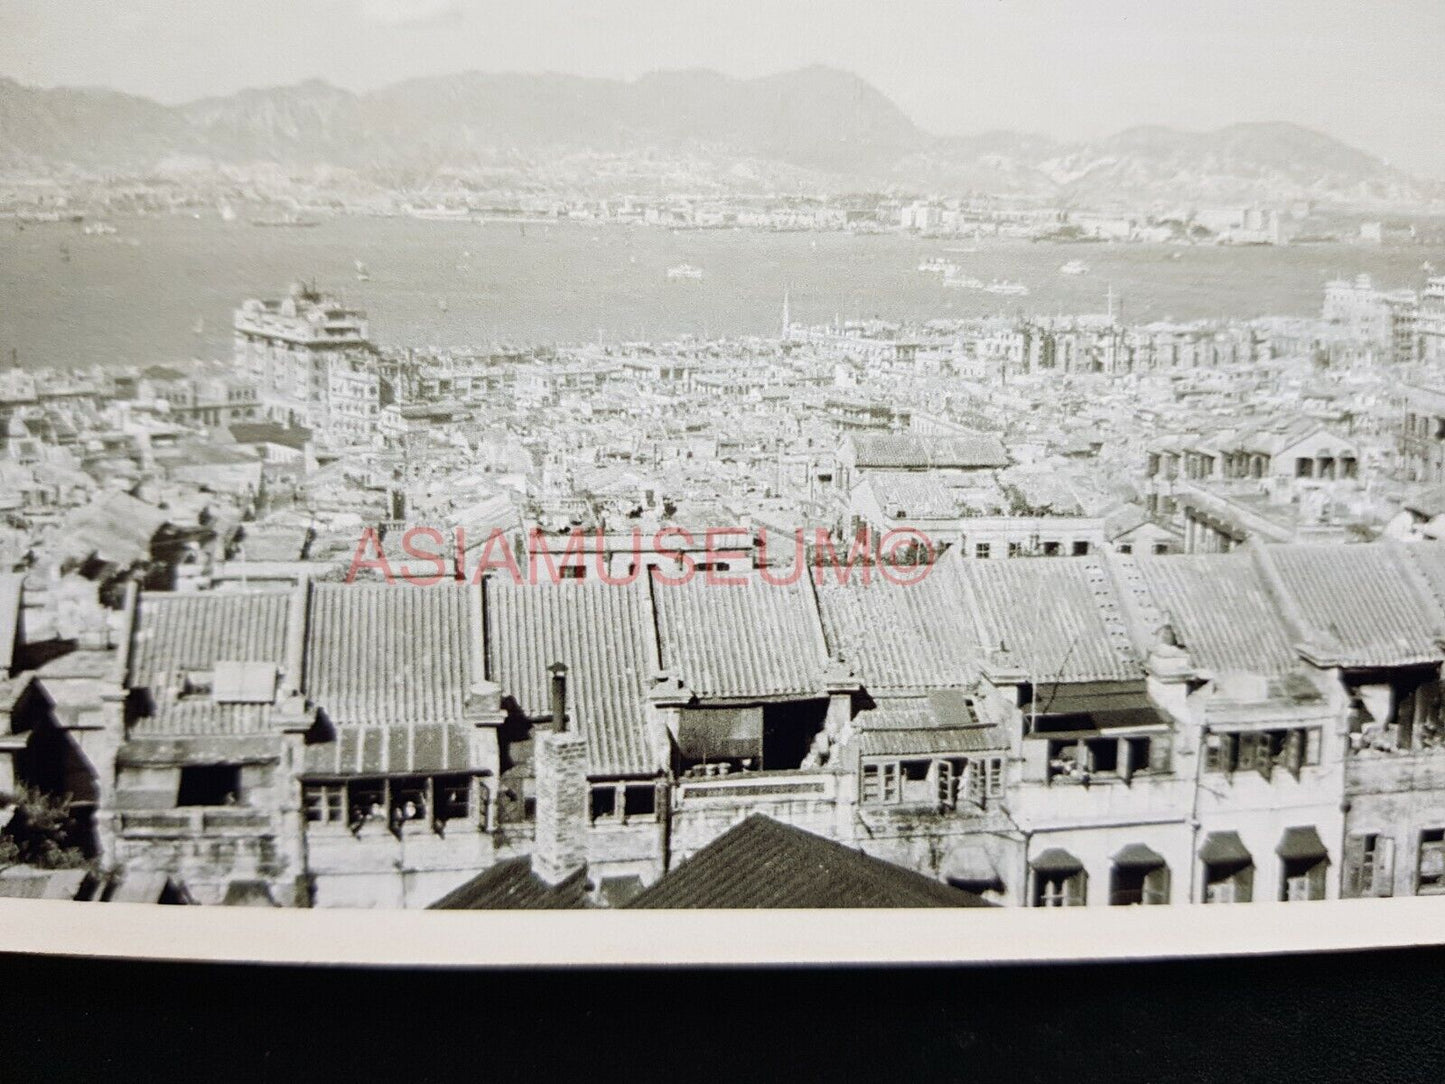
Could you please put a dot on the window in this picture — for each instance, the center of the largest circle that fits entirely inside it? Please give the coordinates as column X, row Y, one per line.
column 1430, row 870
column 453, row 797
column 573, row 572
column 639, row 800
column 604, row 801
column 980, row 550
column 1105, row 758
column 1304, row 468
column 1013, row 549
column 1369, row 865
column 1262, row 751
column 1125, row 547
column 1059, row 888
column 1134, row 885
column 325, row 803
column 994, row 773
column 1081, row 549
column 880, row 783
column 1228, row 882
column 1304, row 879
column 1051, row 549
column 210, row 784
column 1161, row 548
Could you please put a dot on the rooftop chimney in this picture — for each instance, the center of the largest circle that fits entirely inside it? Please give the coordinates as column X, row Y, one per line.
column 560, row 849
column 559, row 697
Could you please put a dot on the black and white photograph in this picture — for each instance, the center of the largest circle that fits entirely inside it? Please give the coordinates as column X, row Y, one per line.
column 768, row 457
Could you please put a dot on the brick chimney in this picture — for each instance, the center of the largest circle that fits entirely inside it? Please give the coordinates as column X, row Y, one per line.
column 560, row 848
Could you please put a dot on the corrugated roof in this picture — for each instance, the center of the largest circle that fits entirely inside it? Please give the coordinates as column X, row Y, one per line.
column 741, row 641
column 604, row 635
column 1058, row 616
column 1220, row 611
column 391, row 654
column 900, row 636
column 195, row 631
column 763, row 863
column 1365, row 601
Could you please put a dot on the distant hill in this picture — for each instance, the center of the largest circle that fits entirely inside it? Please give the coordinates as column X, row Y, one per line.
column 816, row 124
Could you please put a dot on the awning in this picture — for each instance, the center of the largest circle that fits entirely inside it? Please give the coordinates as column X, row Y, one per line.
column 1056, row 860
column 1089, row 697
column 1301, row 843
column 720, row 733
column 1224, row 849
column 1138, row 856
column 955, row 740
column 418, row 749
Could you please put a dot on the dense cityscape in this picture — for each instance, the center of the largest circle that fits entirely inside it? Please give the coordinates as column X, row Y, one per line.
column 1173, row 633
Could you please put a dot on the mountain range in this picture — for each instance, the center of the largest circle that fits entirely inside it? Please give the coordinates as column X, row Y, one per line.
column 815, row 125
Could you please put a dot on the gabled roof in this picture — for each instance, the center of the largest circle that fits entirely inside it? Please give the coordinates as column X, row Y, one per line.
column 1058, row 616
column 764, row 863
column 604, row 636
column 391, row 654
column 909, row 451
column 1221, row 612
column 900, row 635
column 742, row 640
column 1361, row 605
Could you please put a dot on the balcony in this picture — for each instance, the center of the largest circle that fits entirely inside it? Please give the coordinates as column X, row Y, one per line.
column 194, row 821
column 756, row 788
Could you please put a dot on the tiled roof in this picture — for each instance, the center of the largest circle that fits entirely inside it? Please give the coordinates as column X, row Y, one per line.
column 202, row 716
column 1429, row 559
column 763, row 863
column 511, row 885
column 1058, row 616
column 195, row 631
column 911, row 451
column 403, row 749
column 391, row 654
column 1220, row 611
column 911, row 495
column 900, row 636
column 741, row 641
column 604, row 635
column 1364, row 603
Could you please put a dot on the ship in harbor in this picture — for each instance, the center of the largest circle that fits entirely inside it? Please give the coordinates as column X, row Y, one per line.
column 684, row 271
column 1074, row 267
column 290, row 221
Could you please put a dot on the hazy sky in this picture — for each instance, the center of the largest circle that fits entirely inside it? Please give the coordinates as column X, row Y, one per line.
column 1367, row 72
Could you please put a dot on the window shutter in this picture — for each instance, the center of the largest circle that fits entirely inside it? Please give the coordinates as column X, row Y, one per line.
column 1384, row 878
column 1126, row 760
column 1294, row 751
column 946, row 791
column 1213, row 750
column 1160, row 747
column 1354, row 866
column 1263, row 762
column 1244, row 884
column 1156, row 885
column 1316, row 881
column 1076, row 889
column 973, row 781
column 1312, row 745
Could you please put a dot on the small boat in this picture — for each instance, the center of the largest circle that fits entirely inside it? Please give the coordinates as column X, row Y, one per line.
column 684, row 271
column 98, row 229
column 1074, row 267
column 1012, row 289
column 937, row 265
column 963, row 282
column 288, row 221
column 362, row 275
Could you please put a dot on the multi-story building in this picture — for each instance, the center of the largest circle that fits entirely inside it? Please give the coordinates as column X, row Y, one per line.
column 1422, row 434
column 1101, row 730
column 310, row 360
